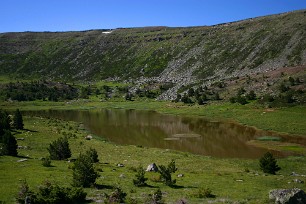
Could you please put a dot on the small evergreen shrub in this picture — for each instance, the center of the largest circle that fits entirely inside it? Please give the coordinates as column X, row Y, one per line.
column 140, row 179
column 165, row 173
column 59, row 149
column 46, row 162
column 155, row 198
column 117, row 196
column 84, row 174
column 232, row 99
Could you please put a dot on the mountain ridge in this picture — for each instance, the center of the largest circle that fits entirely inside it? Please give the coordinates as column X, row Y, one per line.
column 182, row 56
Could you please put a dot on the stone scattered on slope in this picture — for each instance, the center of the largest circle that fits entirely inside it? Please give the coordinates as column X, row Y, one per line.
column 152, row 167
column 22, row 160
column 298, row 181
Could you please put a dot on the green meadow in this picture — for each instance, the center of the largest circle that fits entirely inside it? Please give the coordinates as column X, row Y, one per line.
column 230, row 180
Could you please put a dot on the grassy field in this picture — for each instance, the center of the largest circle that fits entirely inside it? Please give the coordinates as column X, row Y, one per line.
column 231, row 180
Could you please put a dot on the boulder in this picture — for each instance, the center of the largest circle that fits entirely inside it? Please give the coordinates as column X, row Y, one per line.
column 288, row 196
column 152, row 167
column 88, row 137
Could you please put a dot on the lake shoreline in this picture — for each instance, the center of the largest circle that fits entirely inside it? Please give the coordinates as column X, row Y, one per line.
column 199, row 135
column 285, row 120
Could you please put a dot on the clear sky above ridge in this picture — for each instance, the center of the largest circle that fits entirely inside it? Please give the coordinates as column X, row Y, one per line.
column 73, row 15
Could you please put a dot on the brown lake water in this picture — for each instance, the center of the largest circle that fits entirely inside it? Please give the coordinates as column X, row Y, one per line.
column 150, row 129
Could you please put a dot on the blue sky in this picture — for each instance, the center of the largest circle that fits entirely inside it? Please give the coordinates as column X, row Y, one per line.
column 72, row 15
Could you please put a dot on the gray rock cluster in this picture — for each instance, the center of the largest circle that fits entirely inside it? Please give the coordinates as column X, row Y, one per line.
column 288, row 196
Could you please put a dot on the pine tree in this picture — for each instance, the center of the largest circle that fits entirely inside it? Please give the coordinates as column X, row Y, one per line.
column 165, row 173
column 9, row 144
column 171, row 166
column 4, row 122
column 59, row 149
column 268, row 164
column 140, row 177
column 18, row 121
column 156, row 197
column 84, row 174
column 93, row 154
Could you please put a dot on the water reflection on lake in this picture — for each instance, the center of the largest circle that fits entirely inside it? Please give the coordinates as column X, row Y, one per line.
column 151, row 129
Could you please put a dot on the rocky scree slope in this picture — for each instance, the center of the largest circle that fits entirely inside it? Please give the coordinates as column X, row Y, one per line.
column 182, row 56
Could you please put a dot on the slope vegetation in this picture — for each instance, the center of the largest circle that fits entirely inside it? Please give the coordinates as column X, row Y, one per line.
column 182, row 56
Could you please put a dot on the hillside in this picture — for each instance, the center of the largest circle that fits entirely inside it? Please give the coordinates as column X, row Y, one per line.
column 182, row 56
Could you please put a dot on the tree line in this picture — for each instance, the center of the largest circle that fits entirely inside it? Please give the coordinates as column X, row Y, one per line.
column 38, row 90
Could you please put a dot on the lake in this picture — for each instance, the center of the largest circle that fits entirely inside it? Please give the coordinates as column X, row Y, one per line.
column 151, row 129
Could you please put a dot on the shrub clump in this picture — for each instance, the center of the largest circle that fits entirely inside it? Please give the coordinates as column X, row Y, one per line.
column 240, row 98
column 50, row 193
column 203, row 193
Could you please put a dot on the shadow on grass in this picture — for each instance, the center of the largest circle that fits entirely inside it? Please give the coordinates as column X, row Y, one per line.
column 17, row 132
column 30, row 130
column 176, row 186
column 51, row 166
column 147, row 186
column 101, row 186
column 23, row 157
column 86, row 201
